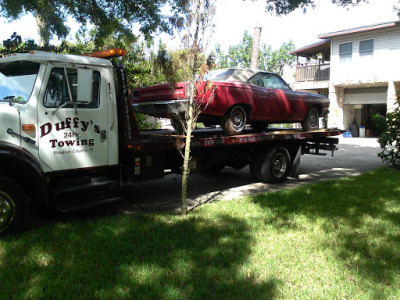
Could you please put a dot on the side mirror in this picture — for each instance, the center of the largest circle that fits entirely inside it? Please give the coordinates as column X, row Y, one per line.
column 85, row 86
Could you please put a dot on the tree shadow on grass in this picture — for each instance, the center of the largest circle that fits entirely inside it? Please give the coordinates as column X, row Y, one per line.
column 133, row 257
column 362, row 214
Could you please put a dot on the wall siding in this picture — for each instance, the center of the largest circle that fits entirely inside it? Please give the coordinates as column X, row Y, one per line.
column 383, row 66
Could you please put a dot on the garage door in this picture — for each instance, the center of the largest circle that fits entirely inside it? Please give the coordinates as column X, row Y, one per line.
column 366, row 96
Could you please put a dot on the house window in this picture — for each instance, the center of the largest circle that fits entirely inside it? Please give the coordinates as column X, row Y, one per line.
column 366, row 48
column 345, row 52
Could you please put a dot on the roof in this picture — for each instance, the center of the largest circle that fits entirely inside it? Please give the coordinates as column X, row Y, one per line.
column 44, row 57
column 360, row 29
column 323, row 47
column 233, row 74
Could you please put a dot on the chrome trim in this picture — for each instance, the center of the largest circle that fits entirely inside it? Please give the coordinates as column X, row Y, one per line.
column 7, row 211
column 161, row 102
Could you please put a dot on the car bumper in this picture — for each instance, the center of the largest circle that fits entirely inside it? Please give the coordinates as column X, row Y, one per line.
column 164, row 109
column 324, row 113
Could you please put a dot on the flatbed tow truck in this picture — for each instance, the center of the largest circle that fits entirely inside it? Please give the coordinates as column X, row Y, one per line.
column 69, row 138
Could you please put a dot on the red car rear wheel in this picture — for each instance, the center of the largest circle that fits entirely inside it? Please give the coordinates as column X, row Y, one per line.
column 234, row 121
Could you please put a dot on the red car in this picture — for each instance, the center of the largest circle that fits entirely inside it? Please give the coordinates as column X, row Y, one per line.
column 241, row 96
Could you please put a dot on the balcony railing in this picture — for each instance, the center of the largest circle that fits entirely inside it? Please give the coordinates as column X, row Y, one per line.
column 313, row 73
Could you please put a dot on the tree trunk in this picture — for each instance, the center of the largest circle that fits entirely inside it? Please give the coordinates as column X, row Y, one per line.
column 256, row 47
column 186, row 157
column 196, row 37
column 43, row 31
column 190, row 121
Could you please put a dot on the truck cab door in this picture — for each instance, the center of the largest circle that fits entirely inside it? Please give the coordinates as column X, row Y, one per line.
column 73, row 132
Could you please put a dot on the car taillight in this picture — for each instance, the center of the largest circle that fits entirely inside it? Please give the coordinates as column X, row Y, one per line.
column 135, row 94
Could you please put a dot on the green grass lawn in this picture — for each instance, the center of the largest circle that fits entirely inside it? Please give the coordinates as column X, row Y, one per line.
column 332, row 240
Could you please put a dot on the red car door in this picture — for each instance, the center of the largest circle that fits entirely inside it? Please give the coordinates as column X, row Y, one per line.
column 298, row 105
column 265, row 102
column 281, row 108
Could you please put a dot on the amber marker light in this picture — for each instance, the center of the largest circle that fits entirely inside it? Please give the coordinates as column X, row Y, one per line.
column 115, row 52
column 28, row 127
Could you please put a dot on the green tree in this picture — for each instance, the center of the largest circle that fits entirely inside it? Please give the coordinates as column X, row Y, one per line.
column 238, row 55
column 198, row 28
column 111, row 16
column 276, row 60
column 284, row 7
column 197, row 22
column 270, row 60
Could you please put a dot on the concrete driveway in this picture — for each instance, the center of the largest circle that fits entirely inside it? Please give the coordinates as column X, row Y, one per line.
column 355, row 156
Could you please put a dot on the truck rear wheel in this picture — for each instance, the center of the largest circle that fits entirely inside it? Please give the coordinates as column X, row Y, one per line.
column 13, row 205
column 270, row 165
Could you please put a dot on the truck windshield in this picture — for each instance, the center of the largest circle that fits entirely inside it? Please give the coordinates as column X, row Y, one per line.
column 17, row 80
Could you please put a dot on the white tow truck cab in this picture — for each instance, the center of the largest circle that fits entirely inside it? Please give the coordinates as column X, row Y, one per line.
column 68, row 137
column 64, row 108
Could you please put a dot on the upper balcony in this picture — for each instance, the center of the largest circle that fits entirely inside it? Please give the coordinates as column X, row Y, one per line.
column 319, row 72
column 313, row 64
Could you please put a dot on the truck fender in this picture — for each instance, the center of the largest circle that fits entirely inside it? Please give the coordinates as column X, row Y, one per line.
column 21, row 166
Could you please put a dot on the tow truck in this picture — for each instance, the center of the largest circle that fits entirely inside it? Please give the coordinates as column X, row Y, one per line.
column 69, row 138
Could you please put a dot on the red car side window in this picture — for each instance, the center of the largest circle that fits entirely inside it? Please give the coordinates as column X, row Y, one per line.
column 271, row 81
column 256, row 80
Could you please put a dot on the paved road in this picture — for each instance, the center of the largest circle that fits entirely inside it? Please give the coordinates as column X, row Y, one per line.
column 355, row 156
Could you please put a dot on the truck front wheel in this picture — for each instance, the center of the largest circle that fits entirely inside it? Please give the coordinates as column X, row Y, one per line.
column 13, row 205
column 271, row 165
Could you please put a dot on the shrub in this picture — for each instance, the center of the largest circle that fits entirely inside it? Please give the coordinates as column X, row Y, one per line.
column 147, row 122
column 390, row 137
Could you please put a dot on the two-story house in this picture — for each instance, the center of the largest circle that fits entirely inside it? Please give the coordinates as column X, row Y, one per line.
column 358, row 68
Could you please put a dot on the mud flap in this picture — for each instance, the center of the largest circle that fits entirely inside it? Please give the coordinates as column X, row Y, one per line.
column 295, row 171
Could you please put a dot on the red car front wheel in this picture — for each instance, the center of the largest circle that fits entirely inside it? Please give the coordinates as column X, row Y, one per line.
column 311, row 121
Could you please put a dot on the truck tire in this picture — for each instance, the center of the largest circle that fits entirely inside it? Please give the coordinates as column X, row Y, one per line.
column 13, row 206
column 270, row 165
column 234, row 121
column 311, row 121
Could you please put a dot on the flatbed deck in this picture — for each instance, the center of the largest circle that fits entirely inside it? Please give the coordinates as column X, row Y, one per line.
column 167, row 139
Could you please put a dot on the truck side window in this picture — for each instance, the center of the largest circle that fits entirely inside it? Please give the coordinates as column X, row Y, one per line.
column 57, row 90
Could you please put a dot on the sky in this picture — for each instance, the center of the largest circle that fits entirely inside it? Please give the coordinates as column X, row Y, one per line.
column 233, row 17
